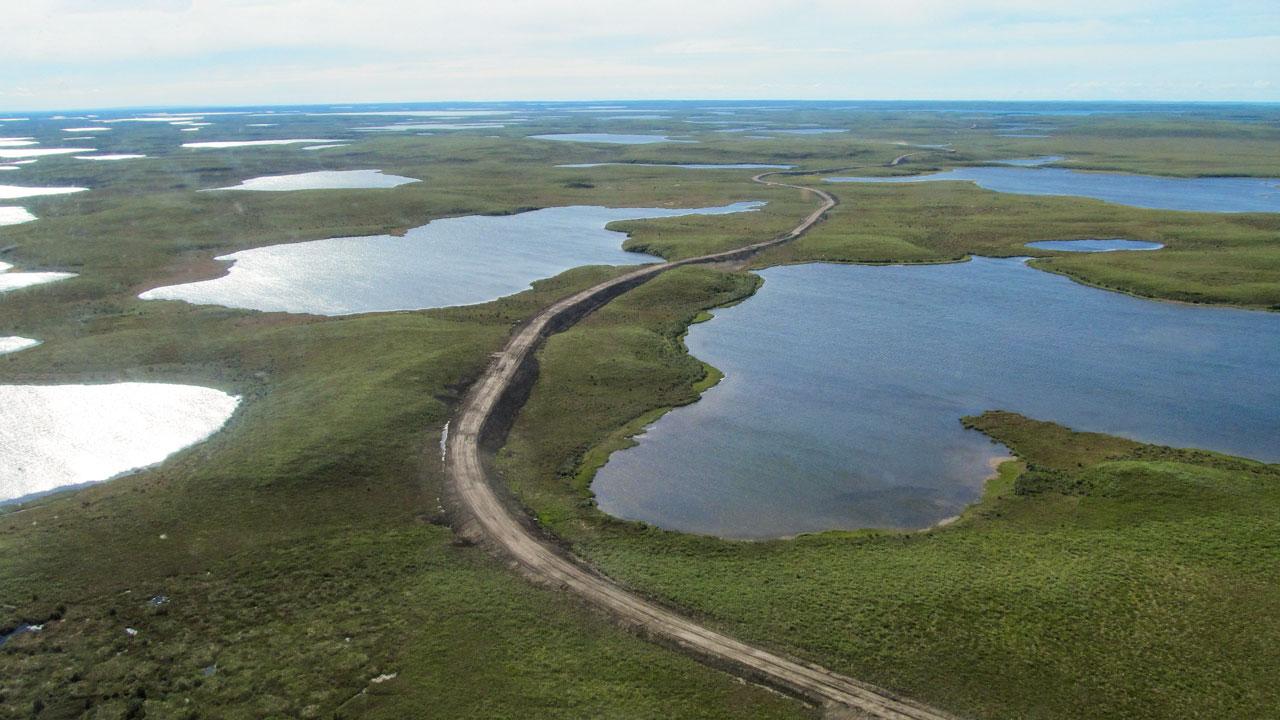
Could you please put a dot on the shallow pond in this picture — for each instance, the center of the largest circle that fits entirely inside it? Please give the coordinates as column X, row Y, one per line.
column 1032, row 161
column 430, row 126
column 12, row 192
column 686, row 166
column 13, row 343
column 323, row 180
column 222, row 144
column 1094, row 245
column 845, row 385
column 53, row 436
column 12, row 153
column 454, row 261
column 1199, row 194
column 15, row 215
column 15, row 280
column 609, row 138
column 810, row 131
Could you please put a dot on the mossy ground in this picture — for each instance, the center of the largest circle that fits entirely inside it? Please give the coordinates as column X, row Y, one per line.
column 298, row 548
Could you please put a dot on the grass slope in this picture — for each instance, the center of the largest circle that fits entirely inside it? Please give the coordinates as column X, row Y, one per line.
column 297, row 552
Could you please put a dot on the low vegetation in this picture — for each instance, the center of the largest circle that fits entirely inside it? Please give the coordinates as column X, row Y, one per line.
column 1097, row 573
column 295, row 564
column 283, row 567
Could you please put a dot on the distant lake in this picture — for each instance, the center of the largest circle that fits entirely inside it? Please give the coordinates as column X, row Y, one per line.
column 609, row 138
column 323, row 180
column 431, row 126
column 1110, row 245
column 110, row 158
column 1030, row 161
column 13, row 192
column 1215, row 194
column 15, row 280
column 454, row 261
column 13, row 343
column 809, row 131
column 686, row 166
column 54, row 436
column 224, row 144
column 15, row 215
column 845, row 385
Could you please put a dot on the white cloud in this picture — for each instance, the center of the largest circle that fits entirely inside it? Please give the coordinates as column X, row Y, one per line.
column 103, row 52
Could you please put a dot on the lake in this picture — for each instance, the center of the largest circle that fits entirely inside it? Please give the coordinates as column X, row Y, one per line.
column 322, row 180
column 110, row 158
column 453, row 261
column 609, row 138
column 13, row 343
column 686, row 166
column 13, row 192
column 430, row 126
column 223, row 144
column 15, row 280
column 809, row 131
column 1217, row 194
column 55, row 436
column 15, row 215
column 1094, row 245
column 845, row 385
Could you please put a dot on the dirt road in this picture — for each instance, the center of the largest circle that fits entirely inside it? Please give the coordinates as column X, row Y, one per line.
column 485, row 514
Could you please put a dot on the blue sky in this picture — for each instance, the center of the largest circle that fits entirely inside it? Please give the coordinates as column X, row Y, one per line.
column 105, row 53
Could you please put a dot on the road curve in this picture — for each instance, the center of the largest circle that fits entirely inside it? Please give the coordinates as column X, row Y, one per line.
column 479, row 513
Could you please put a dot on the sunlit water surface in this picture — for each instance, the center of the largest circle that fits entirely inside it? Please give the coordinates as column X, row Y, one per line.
column 609, row 138
column 14, row 280
column 1218, row 194
column 53, row 436
column 1094, row 245
column 454, row 261
column 323, row 180
column 13, row 343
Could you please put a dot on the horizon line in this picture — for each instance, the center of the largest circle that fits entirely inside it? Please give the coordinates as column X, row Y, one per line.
column 1023, row 101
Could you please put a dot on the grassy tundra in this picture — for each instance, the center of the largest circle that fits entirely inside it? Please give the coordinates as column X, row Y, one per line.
column 301, row 551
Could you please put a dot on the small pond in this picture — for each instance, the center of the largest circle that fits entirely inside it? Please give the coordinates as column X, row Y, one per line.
column 1094, row 245
column 323, row 180
column 55, row 436
column 609, row 138
column 686, row 166
column 15, row 280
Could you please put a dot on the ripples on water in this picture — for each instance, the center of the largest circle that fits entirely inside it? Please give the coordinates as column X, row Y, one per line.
column 61, row 435
column 454, row 261
column 1198, row 194
column 845, row 385
column 1093, row 245
column 323, row 180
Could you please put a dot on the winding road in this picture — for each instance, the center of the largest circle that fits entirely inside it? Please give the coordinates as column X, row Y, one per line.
column 483, row 513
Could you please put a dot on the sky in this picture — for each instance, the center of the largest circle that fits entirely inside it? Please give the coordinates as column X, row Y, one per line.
column 75, row 54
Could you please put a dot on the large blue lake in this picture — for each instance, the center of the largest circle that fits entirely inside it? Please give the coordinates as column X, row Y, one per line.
column 845, row 385
column 1148, row 191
